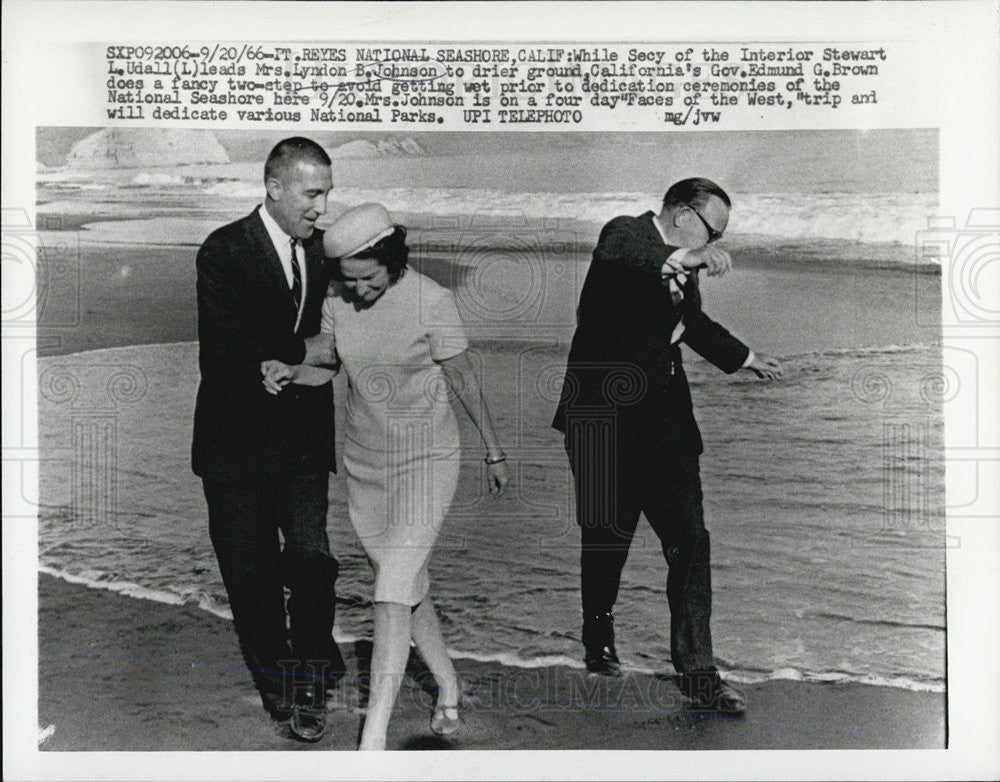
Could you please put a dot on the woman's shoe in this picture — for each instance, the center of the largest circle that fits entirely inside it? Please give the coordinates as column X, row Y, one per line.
column 445, row 720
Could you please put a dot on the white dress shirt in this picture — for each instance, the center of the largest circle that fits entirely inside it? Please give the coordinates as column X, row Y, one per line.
column 283, row 245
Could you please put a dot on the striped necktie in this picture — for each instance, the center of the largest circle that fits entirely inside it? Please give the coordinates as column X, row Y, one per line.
column 296, row 275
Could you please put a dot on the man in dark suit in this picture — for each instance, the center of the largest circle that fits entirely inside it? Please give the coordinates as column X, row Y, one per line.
column 264, row 460
column 631, row 435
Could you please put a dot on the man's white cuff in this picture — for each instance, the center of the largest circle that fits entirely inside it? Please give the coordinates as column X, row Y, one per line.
column 750, row 359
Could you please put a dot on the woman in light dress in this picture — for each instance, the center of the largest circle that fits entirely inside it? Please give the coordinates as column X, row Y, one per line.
column 400, row 340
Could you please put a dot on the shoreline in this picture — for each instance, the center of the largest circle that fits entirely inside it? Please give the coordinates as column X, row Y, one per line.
column 97, row 650
column 740, row 677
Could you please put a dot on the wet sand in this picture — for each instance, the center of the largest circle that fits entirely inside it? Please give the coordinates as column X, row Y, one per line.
column 118, row 673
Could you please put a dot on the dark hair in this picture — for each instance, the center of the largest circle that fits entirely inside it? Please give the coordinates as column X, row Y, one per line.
column 291, row 151
column 390, row 251
column 694, row 192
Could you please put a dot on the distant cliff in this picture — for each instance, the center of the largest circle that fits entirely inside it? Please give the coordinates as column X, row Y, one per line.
column 382, row 148
column 145, row 148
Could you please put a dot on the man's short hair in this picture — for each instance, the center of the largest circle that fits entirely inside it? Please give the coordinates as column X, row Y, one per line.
column 694, row 192
column 291, row 151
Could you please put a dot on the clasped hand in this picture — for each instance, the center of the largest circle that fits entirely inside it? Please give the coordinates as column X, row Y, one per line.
column 277, row 375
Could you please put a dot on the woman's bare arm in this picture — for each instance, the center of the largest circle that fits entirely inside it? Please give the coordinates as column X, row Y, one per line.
column 463, row 381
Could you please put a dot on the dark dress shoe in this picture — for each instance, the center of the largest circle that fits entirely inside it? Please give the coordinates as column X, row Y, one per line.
column 599, row 653
column 603, row 661
column 710, row 692
column 308, row 723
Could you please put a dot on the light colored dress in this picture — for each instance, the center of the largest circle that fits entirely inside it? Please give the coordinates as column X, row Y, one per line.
column 401, row 452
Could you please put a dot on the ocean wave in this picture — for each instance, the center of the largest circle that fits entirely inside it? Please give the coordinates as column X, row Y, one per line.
column 874, row 218
column 94, row 580
column 836, row 677
column 152, row 178
column 735, row 674
column 880, row 622
column 872, row 350
column 544, row 218
column 70, row 186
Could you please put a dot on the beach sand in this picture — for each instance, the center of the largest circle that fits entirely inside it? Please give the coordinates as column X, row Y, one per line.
column 119, row 673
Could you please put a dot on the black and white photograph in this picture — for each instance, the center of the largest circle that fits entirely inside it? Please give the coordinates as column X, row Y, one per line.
column 491, row 438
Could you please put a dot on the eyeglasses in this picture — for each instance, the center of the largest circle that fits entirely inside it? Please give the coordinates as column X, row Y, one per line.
column 713, row 235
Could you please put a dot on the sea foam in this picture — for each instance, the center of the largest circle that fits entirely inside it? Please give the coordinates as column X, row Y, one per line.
column 94, row 580
column 880, row 217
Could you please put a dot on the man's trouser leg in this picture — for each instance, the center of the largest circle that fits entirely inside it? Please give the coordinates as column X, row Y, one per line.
column 673, row 506
column 607, row 510
column 310, row 573
column 243, row 525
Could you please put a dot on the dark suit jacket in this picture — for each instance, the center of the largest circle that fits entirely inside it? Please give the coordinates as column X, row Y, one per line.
column 246, row 314
column 621, row 364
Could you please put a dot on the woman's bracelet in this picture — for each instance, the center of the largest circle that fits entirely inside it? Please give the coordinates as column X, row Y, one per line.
column 496, row 459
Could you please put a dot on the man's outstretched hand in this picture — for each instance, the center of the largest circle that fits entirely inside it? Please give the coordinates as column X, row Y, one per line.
column 765, row 367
